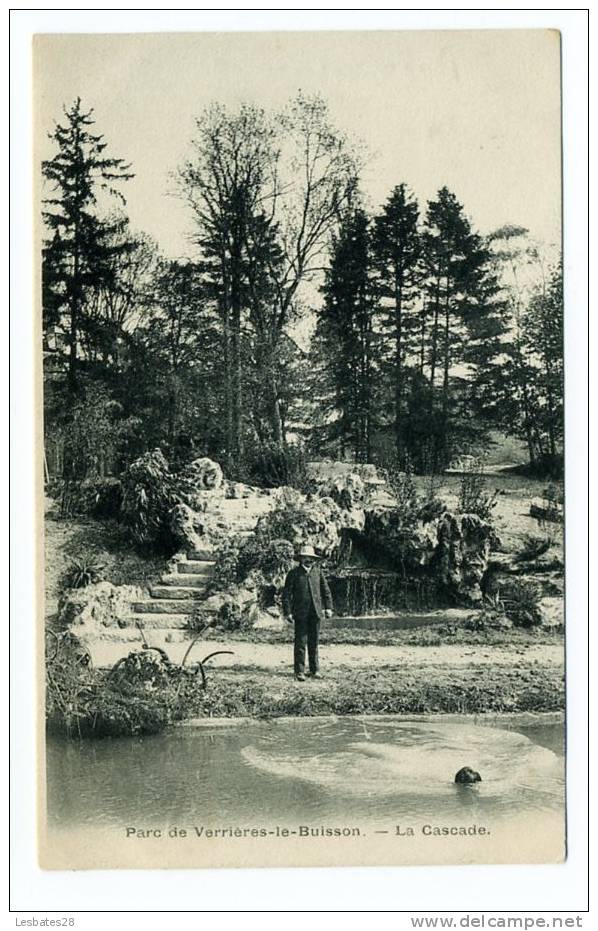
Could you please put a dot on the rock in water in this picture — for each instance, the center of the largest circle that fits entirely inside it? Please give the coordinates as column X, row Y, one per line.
column 467, row 776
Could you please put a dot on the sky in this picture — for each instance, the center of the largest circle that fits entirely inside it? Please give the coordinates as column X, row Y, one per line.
column 477, row 111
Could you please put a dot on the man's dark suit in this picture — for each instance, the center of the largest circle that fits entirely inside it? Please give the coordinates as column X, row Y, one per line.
column 305, row 597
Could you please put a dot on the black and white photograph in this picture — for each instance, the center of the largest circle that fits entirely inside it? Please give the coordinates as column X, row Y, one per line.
column 300, row 302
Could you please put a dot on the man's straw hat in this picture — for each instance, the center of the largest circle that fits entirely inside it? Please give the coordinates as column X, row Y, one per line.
column 305, row 550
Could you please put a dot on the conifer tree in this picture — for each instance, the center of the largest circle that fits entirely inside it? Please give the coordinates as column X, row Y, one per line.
column 462, row 300
column 77, row 254
column 346, row 332
column 397, row 248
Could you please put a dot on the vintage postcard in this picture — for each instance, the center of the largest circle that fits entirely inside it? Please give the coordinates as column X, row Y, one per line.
column 301, row 308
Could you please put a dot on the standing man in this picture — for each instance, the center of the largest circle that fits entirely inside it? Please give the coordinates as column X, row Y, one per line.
column 306, row 600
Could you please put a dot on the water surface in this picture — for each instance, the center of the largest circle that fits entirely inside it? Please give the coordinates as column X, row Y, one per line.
column 306, row 770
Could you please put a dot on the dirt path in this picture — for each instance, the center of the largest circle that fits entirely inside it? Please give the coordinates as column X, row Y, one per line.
column 277, row 657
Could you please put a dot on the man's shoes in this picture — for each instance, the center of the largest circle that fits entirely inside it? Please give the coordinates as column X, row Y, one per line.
column 315, row 675
column 300, row 677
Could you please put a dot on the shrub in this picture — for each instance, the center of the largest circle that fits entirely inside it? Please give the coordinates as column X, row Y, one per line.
column 81, row 572
column 107, row 498
column 473, row 496
column 147, row 669
column 491, row 617
column 236, row 559
column 533, row 547
column 404, row 491
column 233, row 616
column 100, row 497
column 149, row 495
column 274, row 465
column 68, row 679
column 430, row 508
column 520, row 599
column 275, row 559
column 410, row 506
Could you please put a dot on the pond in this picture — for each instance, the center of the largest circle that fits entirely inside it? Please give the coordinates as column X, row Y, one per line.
column 374, row 773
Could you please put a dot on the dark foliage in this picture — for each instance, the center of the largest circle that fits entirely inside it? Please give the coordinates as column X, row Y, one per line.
column 82, row 572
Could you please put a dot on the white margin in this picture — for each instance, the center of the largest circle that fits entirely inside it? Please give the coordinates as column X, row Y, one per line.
column 560, row 887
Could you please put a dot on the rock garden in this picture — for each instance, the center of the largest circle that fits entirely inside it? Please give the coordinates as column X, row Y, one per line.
column 172, row 610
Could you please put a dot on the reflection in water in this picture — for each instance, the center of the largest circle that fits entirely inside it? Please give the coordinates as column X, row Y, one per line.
column 302, row 770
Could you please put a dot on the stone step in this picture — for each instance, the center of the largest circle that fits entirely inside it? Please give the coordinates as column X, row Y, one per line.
column 196, row 563
column 186, row 579
column 400, row 620
column 194, row 567
column 158, row 621
column 155, row 636
column 153, row 606
column 244, row 520
column 249, row 506
column 189, row 593
column 205, row 554
column 236, row 528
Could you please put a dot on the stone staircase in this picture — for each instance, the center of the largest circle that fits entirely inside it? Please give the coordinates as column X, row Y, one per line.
column 163, row 614
column 166, row 609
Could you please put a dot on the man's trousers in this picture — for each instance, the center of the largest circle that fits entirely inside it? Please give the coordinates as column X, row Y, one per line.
column 307, row 634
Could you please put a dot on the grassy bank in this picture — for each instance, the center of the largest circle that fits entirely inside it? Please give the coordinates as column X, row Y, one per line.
column 98, row 703
column 432, row 636
column 96, row 541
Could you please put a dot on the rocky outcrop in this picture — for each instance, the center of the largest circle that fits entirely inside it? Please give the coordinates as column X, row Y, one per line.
column 318, row 521
column 465, row 542
column 453, row 548
column 409, row 545
column 348, row 491
column 204, row 474
column 188, row 526
column 91, row 609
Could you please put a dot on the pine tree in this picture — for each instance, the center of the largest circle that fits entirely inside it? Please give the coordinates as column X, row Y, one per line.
column 543, row 328
column 397, row 251
column 346, row 333
column 77, row 255
column 462, row 300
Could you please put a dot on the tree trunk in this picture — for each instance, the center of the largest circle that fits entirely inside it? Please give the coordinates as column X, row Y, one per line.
column 398, row 359
column 75, row 300
column 277, row 424
column 422, row 349
column 434, row 352
column 228, row 394
column 237, row 403
column 445, row 381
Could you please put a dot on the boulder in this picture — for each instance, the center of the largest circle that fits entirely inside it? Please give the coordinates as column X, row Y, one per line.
column 317, row 521
column 204, row 474
column 410, row 545
column 188, row 526
column 465, row 542
column 552, row 611
column 348, row 491
column 97, row 606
